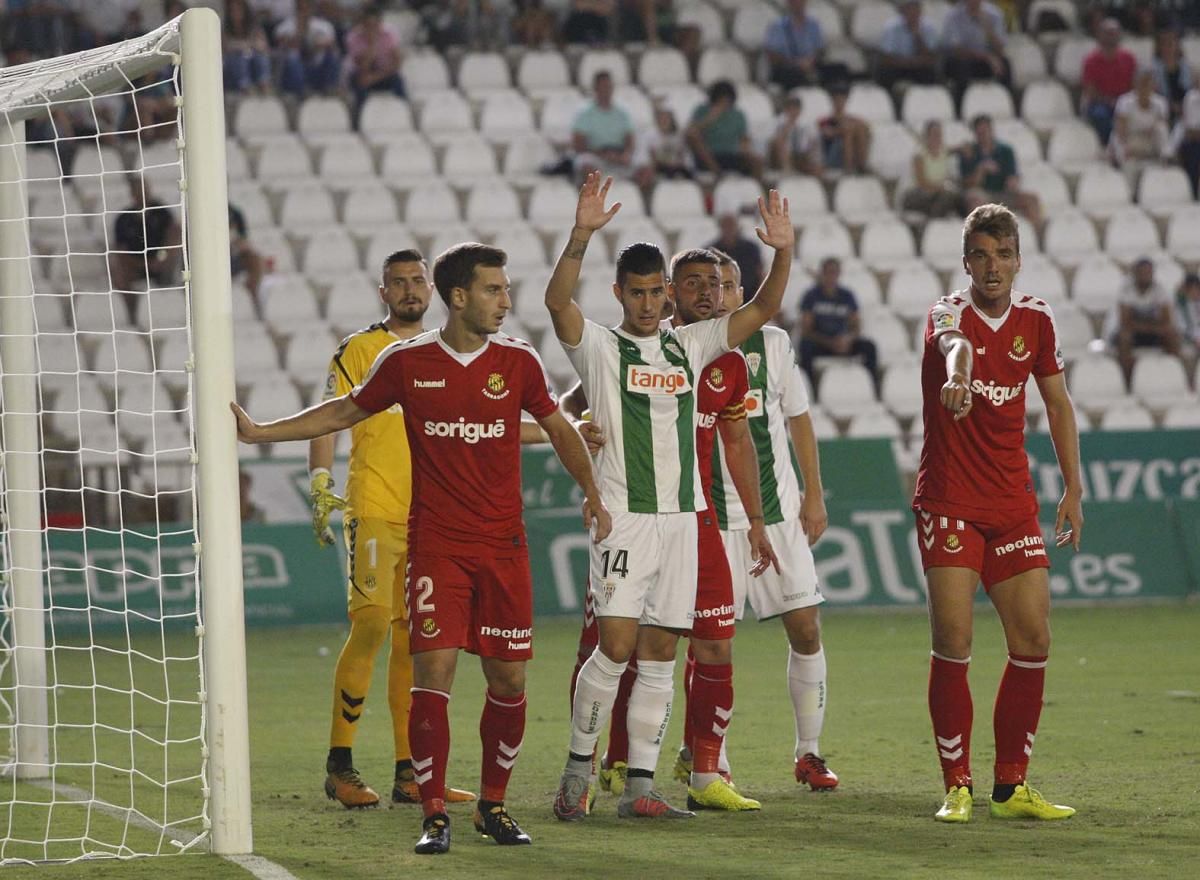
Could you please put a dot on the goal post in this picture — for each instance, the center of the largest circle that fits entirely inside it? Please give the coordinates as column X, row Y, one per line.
column 122, row 644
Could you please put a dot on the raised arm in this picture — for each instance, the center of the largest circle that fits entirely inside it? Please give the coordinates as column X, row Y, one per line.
column 743, row 470
column 776, row 232
column 956, row 393
column 1064, row 434
column 328, row 417
column 589, row 217
column 569, row 447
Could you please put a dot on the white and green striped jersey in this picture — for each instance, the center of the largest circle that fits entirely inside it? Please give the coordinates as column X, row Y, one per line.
column 641, row 391
column 777, row 393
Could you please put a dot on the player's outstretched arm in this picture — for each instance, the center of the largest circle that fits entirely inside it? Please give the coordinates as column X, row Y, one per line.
column 590, row 216
column 1064, row 433
column 743, row 469
column 776, row 232
column 569, row 447
column 328, row 417
column 956, row 393
column 813, row 517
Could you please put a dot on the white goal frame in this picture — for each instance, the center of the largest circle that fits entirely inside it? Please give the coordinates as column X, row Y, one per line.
column 227, row 755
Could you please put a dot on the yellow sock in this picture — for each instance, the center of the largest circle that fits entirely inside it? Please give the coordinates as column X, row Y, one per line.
column 400, row 682
column 352, row 677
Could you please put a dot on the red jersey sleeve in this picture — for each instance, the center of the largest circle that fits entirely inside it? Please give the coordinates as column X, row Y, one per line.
column 384, row 383
column 537, row 392
column 740, row 380
column 1050, row 357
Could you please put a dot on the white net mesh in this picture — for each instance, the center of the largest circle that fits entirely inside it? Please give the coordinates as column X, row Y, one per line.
column 95, row 332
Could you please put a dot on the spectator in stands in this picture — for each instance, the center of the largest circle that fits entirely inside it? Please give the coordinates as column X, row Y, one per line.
column 907, row 48
column 1139, row 125
column 452, row 23
column 533, row 25
column 602, row 133
column 988, row 169
column 1107, row 75
column 1187, row 309
column 744, row 251
column 719, row 134
column 795, row 146
column 795, row 49
column 373, row 57
column 308, row 46
column 589, row 21
column 1172, row 73
column 40, row 27
column 830, row 323
column 244, row 43
column 845, row 138
column 1186, row 138
column 244, row 259
column 1144, row 316
column 98, row 24
column 145, row 245
column 973, row 38
column 272, row 13
column 935, row 191
column 656, row 22
column 663, row 151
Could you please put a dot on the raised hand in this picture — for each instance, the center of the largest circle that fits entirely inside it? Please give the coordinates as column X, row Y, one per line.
column 590, row 213
column 776, row 231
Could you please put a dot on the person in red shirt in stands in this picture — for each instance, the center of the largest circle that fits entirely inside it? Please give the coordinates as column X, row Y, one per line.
column 1107, row 75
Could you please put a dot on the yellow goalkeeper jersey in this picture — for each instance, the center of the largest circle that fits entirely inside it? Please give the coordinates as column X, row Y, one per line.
column 380, row 479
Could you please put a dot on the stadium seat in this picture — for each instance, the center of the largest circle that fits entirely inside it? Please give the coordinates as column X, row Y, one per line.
column 282, row 159
column 696, row 232
column 988, row 98
column 431, row 205
column 1160, row 380
column 1075, row 332
column 682, row 101
column 942, row 244
column 1045, row 103
column 1043, row 179
column 407, row 161
column 425, row 72
column 259, row 116
column 557, row 364
column 634, row 230
column 1130, row 234
column 1096, row 283
column 275, row 397
column 871, row 102
column 901, row 388
column 845, row 388
column 891, row 151
column 1083, row 421
column 381, row 241
column 94, row 313
column 524, row 156
column 558, row 115
column 859, row 198
column 305, row 207
column 1102, row 190
column 662, row 66
column 249, row 198
column 1069, row 55
column 369, row 206
column 522, row 244
column 505, row 115
column 353, row 301
column 288, row 304
column 750, row 21
column 636, row 102
column 892, row 339
column 445, row 116
column 276, row 250
column 912, row 290
column 922, row 103
column 1163, row 189
column 722, row 62
column 1096, row 383
column 815, row 103
column 1026, row 59
column 384, row 116
column 708, row 20
column 552, row 205
column 867, row 21
column 1070, row 237
column 830, row 19
column 874, row 422
column 674, row 202
column 886, row 241
column 736, row 194
column 329, row 254
column 824, row 237
column 1024, row 141
column 492, row 205
column 345, row 162
column 542, row 70
column 613, row 61
column 824, row 428
column 858, row 277
column 806, row 198
column 468, row 160
column 1073, row 146
column 1182, row 415
column 1183, row 234
column 596, row 300
column 321, row 117
column 480, row 73
column 1142, row 48
column 1167, row 270
column 1041, row 277
column 754, row 101
column 1126, row 416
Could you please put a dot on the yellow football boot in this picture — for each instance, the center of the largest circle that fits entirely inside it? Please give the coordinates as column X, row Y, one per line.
column 957, row 806
column 1026, row 803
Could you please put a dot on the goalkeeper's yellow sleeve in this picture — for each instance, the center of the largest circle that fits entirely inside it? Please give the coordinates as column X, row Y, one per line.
column 324, row 502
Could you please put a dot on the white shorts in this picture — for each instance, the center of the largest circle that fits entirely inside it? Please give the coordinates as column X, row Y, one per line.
column 773, row 593
column 646, row 569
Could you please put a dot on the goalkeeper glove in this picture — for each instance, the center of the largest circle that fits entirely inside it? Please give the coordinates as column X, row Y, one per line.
column 324, row 502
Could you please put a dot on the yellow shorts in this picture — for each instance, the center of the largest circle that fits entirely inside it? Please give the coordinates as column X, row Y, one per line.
column 376, row 563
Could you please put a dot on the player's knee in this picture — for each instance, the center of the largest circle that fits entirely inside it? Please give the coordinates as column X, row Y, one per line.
column 506, row 680
column 1030, row 642
column 369, row 625
column 719, row 651
column 804, row 631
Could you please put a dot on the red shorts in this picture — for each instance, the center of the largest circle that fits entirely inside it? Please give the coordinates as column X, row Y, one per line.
column 483, row 604
column 998, row 547
column 713, row 618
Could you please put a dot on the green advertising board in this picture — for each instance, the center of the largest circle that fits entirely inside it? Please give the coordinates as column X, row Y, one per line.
column 1122, row 465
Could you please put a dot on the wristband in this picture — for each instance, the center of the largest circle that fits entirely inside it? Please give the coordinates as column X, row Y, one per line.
column 317, row 471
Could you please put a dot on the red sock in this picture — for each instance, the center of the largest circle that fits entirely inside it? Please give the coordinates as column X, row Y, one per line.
column 1015, row 718
column 501, row 729
column 709, row 710
column 429, row 735
column 689, row 670
column 951, row 710
column 618, row 731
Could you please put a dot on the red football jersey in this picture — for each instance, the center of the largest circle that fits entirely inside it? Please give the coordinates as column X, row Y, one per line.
column 722, row 387
column 463, row 416
column 979, row 464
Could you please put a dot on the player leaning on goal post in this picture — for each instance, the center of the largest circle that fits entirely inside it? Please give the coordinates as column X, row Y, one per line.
column 640, row 381
column 463, row 388
column 976, row 510
column 375, row 526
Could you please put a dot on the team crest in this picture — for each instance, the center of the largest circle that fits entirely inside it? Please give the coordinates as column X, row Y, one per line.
column 1019, row 353
column 672, row 348
column 495, row 387
column 370, row 582
column 716, row 379
column 754, row 361
column 953, row 545
column 429, row 628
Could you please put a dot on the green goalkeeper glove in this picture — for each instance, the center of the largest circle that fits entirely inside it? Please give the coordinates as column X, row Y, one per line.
column 324, row 502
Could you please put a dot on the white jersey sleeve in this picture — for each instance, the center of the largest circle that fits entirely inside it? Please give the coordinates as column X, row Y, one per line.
column 590, row 348
column 782, row 362
column 704, row 341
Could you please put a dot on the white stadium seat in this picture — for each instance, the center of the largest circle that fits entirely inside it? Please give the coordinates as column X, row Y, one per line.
column 874, row 422
column 249, row 198
column 1073, row 145
column 1102, row 190
column 320, row 117
column 674, row 202
column 468, row 160
column 1130, row 234
column 634, row 100
column 1069, row 55
column 1163, row 189
column 1075, row 332
column 541, row 70
column 885, row 242
column 482, row 72
column 384, row 116
column 492, row 205
column 558, row 115
column 445, row 116
column 1182, row 415
column 1096, row 383
column 750, row 21
column 425, row 72
column 858, row 277
column 505, row 115
column 901, row 389
column 754, row 101
column 942, row 245
column 1183, row 233
column 988, row 98
column 1070, row 237
column 892, row 147
column 613, row 61
column 1024, row 141
column 1126, row 416
column 825, row 237
column 845, row 387
column 912, row 290
column 369, row 207
column 662, row 66
column 1096, row 283
column 1159, row 380
column 307, row 206
column 523, row 245
column 258, row 116
column 1045, row 103
column 552, row 204
column 891, row 338
column 282, row 159
column 736, row 194
column 681, row 100
column 815, row 103
column 830, row 19
column 806, row 198
column 329, row 254
column 708, row 20
column 524, row 156
column 859, row 198
column 431, row 205
column 922, row 103
column 868, row 19
column 722, row 62
column 344, row 162
column 1041, row 277
column 1026, row 59
column 407, row 161
column 1045, row 180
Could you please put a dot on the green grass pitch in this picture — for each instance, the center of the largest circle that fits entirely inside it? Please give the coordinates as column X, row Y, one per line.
column 1119, row 741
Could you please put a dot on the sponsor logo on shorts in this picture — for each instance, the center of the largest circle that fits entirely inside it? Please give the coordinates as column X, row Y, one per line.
column 429, row 383
column 652, row 380
column 952, row 545
column 1019, row 352
column 719, row 611
column 430, row 629
column 519, row 646
column 500, row 633
column 1032, row 545
column 471, row 432
column 495, row 387
column 997, row 395
column 792, row 597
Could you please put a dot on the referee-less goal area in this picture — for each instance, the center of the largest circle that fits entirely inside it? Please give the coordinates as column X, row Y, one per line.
column 122, row 657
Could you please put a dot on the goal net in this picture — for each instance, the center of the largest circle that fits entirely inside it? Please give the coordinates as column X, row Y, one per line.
column 122, row 680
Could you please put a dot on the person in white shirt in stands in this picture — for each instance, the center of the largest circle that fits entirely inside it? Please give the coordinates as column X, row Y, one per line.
column 1140, row 125
column 1144, row 316
column 1185, row 139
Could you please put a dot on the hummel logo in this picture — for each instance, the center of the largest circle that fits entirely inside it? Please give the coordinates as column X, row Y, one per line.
column 429, row 383
column 981, row 349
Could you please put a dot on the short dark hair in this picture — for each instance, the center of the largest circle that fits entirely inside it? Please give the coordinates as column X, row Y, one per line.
column 455, row 266
column 980, row 117
column 723, row 260
column 693, row 255
column 639, row 258
column 994, row 220
column 722, row 88
column 406, row 255
column 600, row 74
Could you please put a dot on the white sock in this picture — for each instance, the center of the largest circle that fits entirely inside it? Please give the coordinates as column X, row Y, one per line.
column 649, row 712
column 806, row 681
column 595, row 692
column 723, row 760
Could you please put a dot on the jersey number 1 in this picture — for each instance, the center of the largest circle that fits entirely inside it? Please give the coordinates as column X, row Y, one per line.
column 615, row 562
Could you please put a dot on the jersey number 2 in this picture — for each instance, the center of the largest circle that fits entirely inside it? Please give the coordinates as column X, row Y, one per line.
column 425, row 585
column 615, row 562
